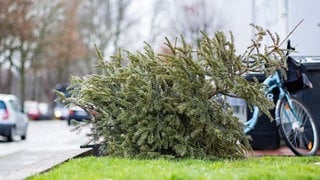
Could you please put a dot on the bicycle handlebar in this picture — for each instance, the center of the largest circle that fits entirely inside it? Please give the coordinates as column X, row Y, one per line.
column 289, row 47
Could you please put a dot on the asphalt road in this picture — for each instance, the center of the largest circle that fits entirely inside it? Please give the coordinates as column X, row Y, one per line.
column 45, row 140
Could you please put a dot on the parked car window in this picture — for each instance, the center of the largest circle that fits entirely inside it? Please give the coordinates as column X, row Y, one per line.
column 2, row 105
column 15, row 105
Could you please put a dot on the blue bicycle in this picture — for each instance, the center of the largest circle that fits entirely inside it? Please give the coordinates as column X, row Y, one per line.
column 295, row 122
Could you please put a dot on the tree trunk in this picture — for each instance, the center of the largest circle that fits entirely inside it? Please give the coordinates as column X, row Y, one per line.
column 22, row 74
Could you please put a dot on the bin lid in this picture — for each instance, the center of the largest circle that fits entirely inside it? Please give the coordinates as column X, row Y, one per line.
column 310, row 62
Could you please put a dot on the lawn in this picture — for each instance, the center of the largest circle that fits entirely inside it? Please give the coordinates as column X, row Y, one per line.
column 270, row 167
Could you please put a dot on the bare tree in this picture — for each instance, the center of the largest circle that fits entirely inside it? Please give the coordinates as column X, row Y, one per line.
column 44, row 42
column 48, row 16
column 103, row 24
column 58, row 48
column 16, row 39
column 40, row 40
column 68, row 45
column 187, row 18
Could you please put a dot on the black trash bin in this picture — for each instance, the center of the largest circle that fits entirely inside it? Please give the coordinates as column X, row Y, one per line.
column 311, row 97
column 265, row 135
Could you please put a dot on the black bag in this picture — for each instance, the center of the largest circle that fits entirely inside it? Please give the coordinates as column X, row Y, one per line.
column 297, row 78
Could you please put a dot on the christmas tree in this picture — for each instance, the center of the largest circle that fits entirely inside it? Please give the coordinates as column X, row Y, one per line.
column 148, row 105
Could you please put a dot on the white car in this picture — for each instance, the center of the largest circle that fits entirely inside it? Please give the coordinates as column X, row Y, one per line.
column 13, row 121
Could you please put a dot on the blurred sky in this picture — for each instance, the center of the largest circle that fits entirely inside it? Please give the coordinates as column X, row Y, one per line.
column 279, row 16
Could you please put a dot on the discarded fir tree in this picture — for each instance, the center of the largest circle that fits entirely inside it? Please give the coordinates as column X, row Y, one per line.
column 149, row 105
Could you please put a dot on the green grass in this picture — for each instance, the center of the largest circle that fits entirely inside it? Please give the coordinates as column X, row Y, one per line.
column 260, row 168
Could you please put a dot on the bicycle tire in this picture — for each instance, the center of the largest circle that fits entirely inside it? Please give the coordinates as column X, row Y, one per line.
column 301, row 137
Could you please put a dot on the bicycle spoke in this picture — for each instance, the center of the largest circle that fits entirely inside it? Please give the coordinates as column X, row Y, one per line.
column 298, row 128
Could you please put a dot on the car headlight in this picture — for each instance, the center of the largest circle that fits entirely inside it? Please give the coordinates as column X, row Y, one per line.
column 57, row 114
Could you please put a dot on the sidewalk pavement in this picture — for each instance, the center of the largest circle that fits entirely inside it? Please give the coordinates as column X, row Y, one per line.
column 282, row 151
column 35, row 163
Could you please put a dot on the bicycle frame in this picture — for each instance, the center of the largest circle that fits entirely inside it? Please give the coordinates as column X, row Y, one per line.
column 270, row 83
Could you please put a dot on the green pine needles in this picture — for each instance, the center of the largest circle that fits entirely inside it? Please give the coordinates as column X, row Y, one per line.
column 149, row 105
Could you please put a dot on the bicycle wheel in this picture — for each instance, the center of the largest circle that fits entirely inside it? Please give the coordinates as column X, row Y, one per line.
column 298, row 128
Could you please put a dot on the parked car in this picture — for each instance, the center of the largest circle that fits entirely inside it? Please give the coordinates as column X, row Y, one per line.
column 31, row 108
column 12, row 119
column 45, row 111
column 78, row 114
column 60, row 111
